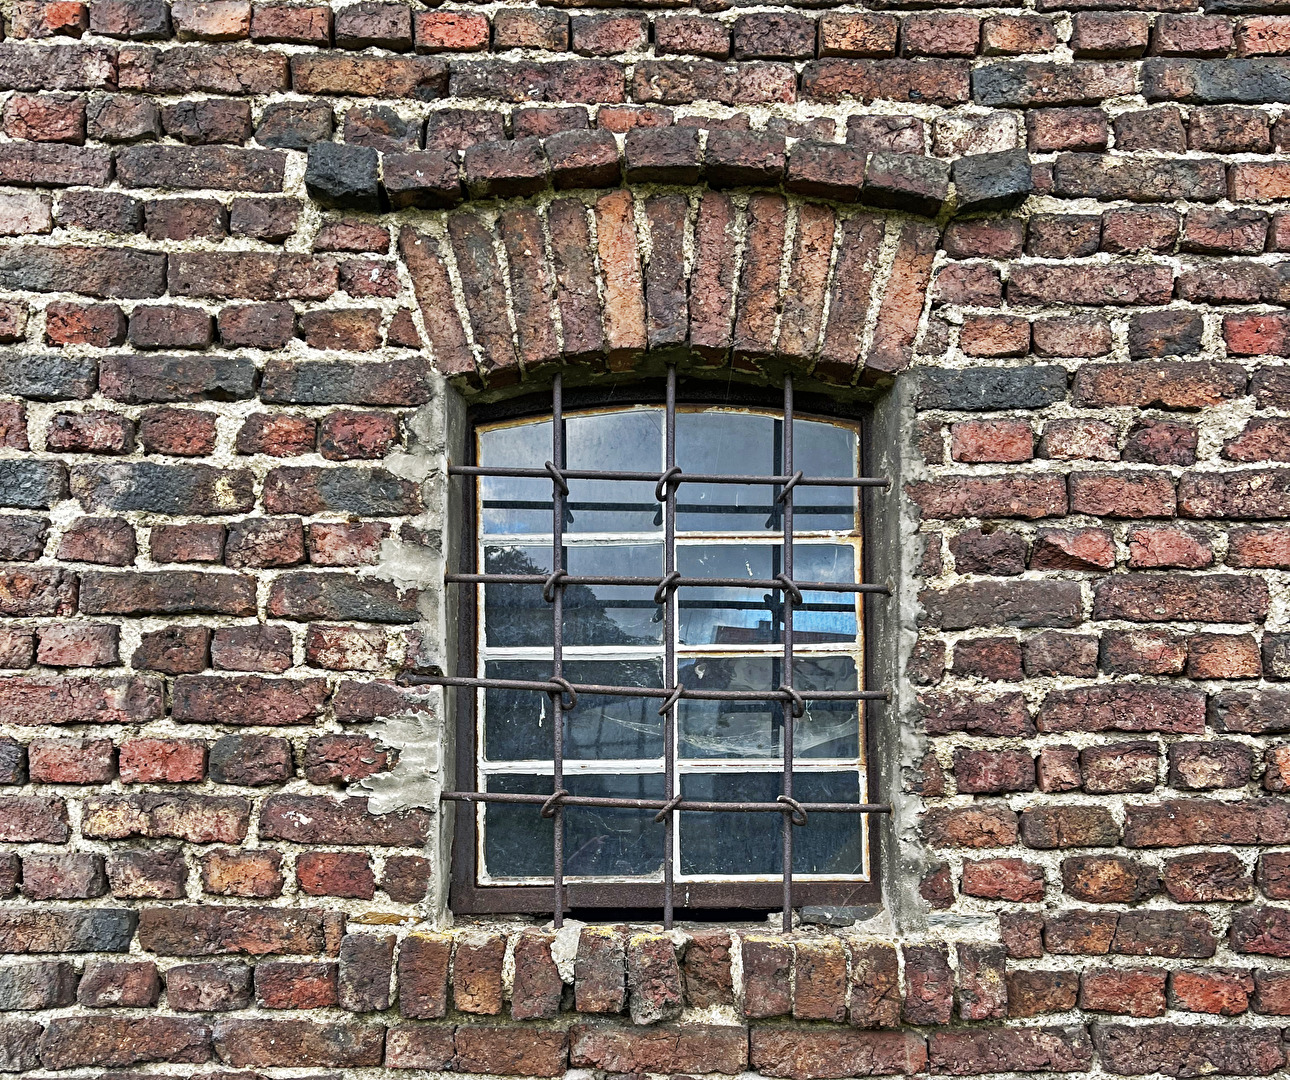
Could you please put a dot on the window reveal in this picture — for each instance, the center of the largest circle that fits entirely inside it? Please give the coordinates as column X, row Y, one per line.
column 661, row 644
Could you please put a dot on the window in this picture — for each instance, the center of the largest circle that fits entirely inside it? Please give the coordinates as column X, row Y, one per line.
column 645, row 640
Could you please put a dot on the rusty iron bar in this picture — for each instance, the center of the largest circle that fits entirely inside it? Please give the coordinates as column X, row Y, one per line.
column 688, row 805
column 790, row 709
column 554, row 592
column 666, row 591
column 670, row 582
column 670, row 476
column 407, row 678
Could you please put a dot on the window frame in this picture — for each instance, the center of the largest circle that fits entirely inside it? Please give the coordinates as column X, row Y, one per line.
column 466, row 895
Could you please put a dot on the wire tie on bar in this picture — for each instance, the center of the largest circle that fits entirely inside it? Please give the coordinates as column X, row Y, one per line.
column 799, row 702
column 666, row 586
column 552, row 581
column 671, row 700
column 790, row 586
column 795, row 810
column 788, row 487
column 566, row 689
column 557, row 478
column 553, row 803
column 672, row 804
column 665, row 481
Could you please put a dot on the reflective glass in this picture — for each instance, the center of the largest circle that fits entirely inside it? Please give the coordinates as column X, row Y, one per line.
column 750, row 843
column 517, row 723
column 630, row 441
column 735, row 729
column 511, row 505
column 516, row 615
column 598, row 842
column 754, row 616
column 608, row 621
column 737, row 442
column 726, row 442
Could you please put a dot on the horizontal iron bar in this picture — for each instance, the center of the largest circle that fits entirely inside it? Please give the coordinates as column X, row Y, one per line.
column 593, row 689
column 659, row 804
column 676, row 478
column 653, row 583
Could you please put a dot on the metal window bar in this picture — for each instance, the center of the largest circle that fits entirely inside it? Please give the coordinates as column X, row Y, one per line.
column 564, row 694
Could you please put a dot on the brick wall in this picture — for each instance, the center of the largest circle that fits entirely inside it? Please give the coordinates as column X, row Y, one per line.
column 257, row 260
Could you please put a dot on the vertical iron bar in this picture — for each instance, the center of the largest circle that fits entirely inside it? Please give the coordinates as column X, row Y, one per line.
column 557, row 642
column 669, row 648
column 788, row 706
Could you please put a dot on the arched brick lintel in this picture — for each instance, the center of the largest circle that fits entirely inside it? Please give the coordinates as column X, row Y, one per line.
column 610, row 280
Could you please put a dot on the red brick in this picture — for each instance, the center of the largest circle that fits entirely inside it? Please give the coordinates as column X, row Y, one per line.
column 1219, row 991
column 940, row 34
column 1251, row 546
column 1267, row 35
column 255, row 1043
column 78, row 645
column 1004, row 879
column 255, row 873
column 336, row 873
column 1120, row 767
column 1123, row 991
column 1034, row 993
column 1108, row 879
column 71, row 761
column 1072, row 549
column 1066, row 129
column 213, row 930
column 767, row 987
column 1014, row 35
column 285, row 984
column 1223, row 656
column 1122, row 707
column 125, row 984
column 996, row 659
column 70, row 1042
column 1164, row 548
column 1191, row 35
column 200, row 819
column 992, row 441
column 1137, row 494
column 162, row 761
column 1057, row 768
column 1207, row 877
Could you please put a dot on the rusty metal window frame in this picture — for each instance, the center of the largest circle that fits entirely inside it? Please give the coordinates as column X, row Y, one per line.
column 563, row 694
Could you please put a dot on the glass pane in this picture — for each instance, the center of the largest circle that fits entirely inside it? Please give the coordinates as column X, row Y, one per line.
column 753, row 616
column 516, row 615
column 733, row 843
column 735, row 442
column 598, row 842
column 630, row 441
column 513, row 505
column 735, row 729
column 726, row 442
column 823, row 449
column 517, row 723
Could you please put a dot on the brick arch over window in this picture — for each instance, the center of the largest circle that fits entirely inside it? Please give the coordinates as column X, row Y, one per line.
column 616, row 279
